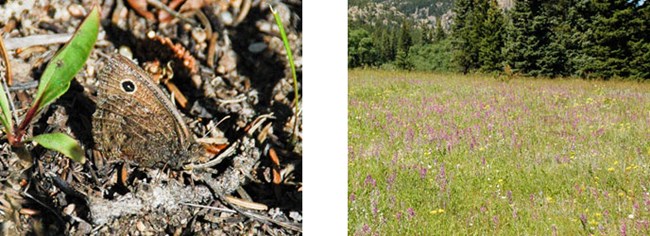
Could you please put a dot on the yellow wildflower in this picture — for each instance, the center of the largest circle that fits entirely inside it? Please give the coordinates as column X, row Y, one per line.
column 438, row 211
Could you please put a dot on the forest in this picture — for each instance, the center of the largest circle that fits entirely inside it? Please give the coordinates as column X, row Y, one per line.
column 594, row 39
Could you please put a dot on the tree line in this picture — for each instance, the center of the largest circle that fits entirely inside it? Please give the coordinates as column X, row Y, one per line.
column 551, row 38
column 399, row 46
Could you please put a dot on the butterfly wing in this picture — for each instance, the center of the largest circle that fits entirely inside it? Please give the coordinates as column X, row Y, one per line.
column 134, row 120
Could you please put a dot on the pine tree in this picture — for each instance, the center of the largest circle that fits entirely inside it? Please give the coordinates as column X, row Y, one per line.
column 402, row 60
column 569, row 32
column 404, row 41
column 529, row 48
column 553, row 48
column 611, row 30
column 640, row 44
column 491, row 39
column 463, row 43
column 385, row 49
column 439, row 33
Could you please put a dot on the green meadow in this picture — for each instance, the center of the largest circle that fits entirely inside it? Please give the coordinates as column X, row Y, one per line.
column 451, row 154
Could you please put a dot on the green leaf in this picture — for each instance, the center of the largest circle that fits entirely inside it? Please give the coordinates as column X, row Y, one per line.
column 56, row 78
column 62, row 143
column 5, row 117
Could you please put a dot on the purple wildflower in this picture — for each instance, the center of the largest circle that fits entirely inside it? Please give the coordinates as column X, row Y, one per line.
column 391, row 180
column 370, row 181
column 509, row 194
column 411, row 212
column 583, row 218
column 442, row 178
column 366, row 229
column 423, row 172
column 375, row 209
column 409, row 135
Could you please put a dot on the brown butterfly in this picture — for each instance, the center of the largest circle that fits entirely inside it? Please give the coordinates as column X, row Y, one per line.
column 135, row 121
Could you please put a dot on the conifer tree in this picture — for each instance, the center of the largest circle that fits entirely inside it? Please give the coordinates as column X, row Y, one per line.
column 640, row 44
column 404, row 43
column 530, row 49
column 610, row 32
column 439, row 32
column 522, row 43
column 463, row 43
column 402, row 60
column 491, row 39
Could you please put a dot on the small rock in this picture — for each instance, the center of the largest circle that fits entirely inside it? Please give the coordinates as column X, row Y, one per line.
column 196, row 81
column 125, row 51
column 84, row 228
column 68, row 210
column 226, row 18
column 141, row 227
column 217, row 81
column 257, row 47
column 277, row 45
column 200, row 111
column 62, row 15
column 279, row 97
column 295, row 216
column 228, row 61
column 90, row 69
column 187, row 27
column 297, row 61
column 151, row 34
column 199, row 35
column 264, row 26
column 221, row 69
column 26, row 23
column 76, row 10
column 236, row 4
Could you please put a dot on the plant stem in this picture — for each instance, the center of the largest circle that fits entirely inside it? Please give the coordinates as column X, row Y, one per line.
column 28, row 118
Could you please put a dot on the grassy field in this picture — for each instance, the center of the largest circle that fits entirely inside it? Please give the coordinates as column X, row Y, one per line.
column 436, row 154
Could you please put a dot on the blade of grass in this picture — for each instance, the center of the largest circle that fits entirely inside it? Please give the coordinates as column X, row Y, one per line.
column 5, row 117
column 7, row 122
column 62, row 143
column 285, row 40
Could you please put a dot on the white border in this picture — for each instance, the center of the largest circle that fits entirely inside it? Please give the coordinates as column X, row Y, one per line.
column 325, row 106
